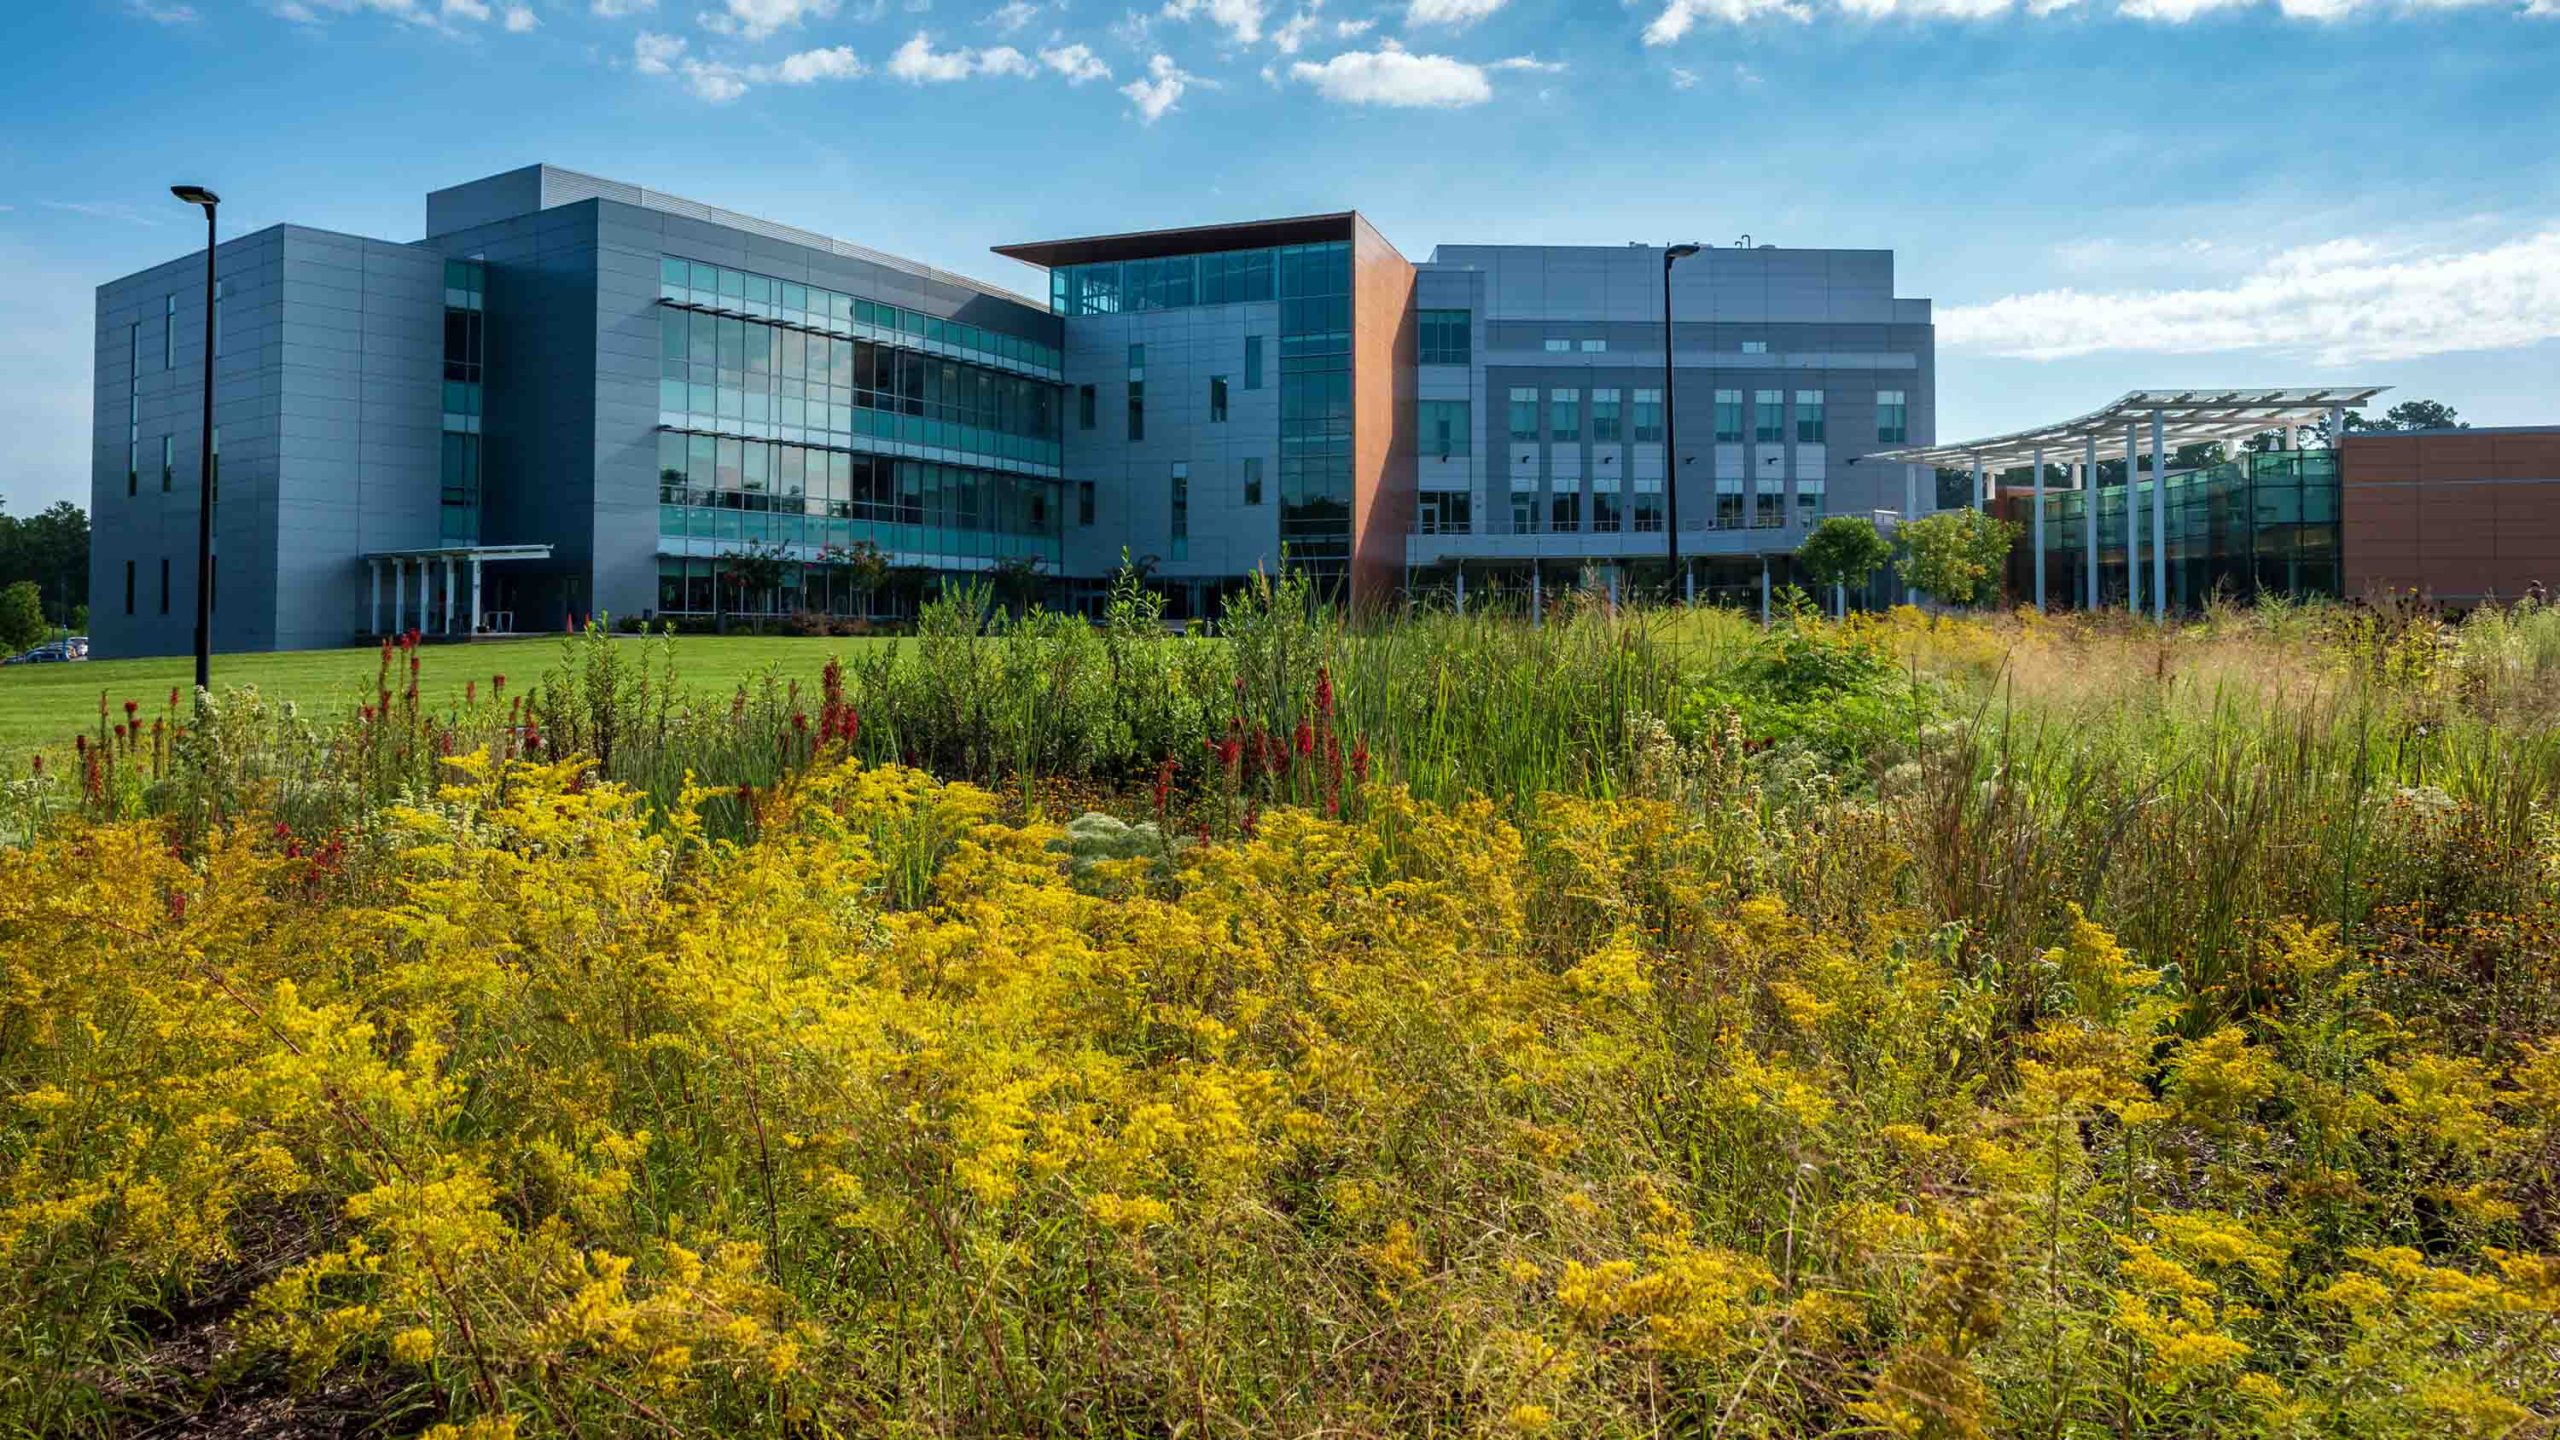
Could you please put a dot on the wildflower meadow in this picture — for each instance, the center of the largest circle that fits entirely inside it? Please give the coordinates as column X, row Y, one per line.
column 1635, row 1023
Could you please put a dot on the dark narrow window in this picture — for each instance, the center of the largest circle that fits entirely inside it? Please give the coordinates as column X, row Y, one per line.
column 1253, row 479
column 169, row 333
column 1137, row 409
column 1084, row 407
column 1217, row 399
column 1181, row 507
column 1084, row 498
column 128, row 587
column 164, row 584
column 168, row 460
column 1253, row 362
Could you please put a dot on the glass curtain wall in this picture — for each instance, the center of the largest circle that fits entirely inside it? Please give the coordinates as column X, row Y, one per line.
column 1314, row 283
column 466, row 284
column 2264, row 523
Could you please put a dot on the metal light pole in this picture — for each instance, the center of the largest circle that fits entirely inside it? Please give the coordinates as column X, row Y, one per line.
column 1671, row 256
column 198, row 195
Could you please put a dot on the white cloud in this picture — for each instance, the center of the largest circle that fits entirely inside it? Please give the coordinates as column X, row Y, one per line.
column 162, row 14
column 655, row 54
column 466, row 10
column 2344, row 302
column 1241, row 19
column 756, row 19
column 1449, row 12
column 918, row 63
column 836, row 62
column 1529, row 63
column 520, row 19
column 1353, row 29
column 1683, row 79
column 1677, row 17
column 1014, row 15
column 617, row 9
column 1077, row 62
column 1292, row 36
column 1393, row 76
column 1157, row 94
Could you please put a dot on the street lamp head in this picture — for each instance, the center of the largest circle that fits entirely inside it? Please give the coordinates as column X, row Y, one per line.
column 1678, row 252
column 196, row 195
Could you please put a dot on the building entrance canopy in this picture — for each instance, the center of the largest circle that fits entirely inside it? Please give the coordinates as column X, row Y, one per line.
column 440, row 570
column 2186, row 417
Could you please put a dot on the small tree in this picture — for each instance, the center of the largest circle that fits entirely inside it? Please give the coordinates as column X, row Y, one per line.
column 1956, row 556
column 754, row 569
column 22, row 617
column 1018, row 583
column 863, row 568
column 1843, row 551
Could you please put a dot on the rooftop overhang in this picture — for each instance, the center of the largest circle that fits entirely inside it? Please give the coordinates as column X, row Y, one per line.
column 2187, row 417
column 1190, row 240
column 462, row 552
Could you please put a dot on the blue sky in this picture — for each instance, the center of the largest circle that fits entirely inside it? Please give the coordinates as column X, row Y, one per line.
column 2098, row 195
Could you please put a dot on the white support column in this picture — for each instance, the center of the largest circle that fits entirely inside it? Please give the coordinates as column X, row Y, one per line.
column 373, row 583
column 1764, row 592
column 1537, row 595
column 2039, row 524
column 1462, row 589
column 475, row 594
column 2132, row 518
column 2159, row 517
column 2089, row 515
column 1981, row 497
column 399, row 591
column 1688, row 584
column 2337, row 427
column 451, row 573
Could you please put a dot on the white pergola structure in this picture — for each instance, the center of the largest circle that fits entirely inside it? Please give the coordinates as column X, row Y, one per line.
column 2175, row 418
column 439, row 571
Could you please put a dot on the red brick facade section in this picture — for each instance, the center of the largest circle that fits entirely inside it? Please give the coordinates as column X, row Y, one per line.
column 1382, row 468
column 2455, row 515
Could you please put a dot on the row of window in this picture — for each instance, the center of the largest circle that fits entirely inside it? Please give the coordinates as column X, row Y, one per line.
column 810, row 307
column 213, row 584
column 169, row 334
column 1443, row 423
column 1178, row 282
column 1443, row 340
column 727, row 473
column 168, row 461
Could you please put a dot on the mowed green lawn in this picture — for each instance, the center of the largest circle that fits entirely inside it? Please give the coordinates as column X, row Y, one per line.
column 43, row 706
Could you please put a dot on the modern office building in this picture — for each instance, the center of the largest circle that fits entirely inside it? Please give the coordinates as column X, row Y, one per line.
column 576, row 396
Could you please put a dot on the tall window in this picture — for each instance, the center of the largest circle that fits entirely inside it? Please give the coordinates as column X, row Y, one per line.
column 1728, row 417
column 1443, row 427
column 1893, row 417
column 1181, row 507
column 133, row 445
column 1443, row 340
column 1648, row 417
column 164, row 584
column 217, row 317
column 128, row 587
column 1606, row 516
column 1564, row 415
column 1607, row 421
column 1811, row 427
column 1137, row 392
column 1253, row 479
column 1217, row 399
column 1769, row 416
column 1084, row 502
column 1253, row 362
column 1564, row 511
column 169, row 333
column 1084, row 407
column 1524, row 413
column 168, row 460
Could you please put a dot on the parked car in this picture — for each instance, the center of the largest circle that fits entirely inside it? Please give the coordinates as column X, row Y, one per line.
column 75, row 648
